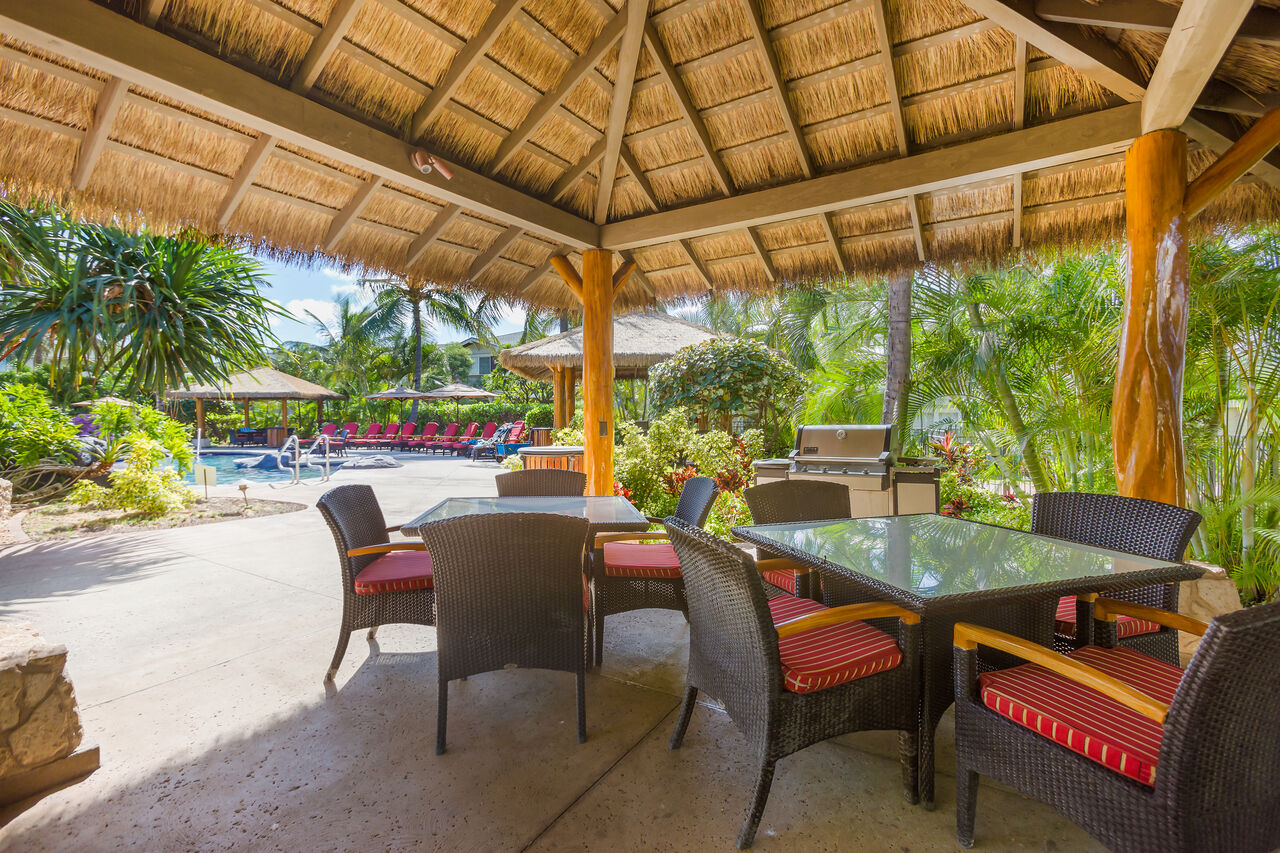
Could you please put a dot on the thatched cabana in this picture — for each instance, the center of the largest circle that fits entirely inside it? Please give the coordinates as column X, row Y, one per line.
column 261, row 383
column 640, row 341
column 684, row 146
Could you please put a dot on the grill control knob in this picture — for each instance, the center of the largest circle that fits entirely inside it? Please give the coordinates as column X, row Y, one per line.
column 842, row 434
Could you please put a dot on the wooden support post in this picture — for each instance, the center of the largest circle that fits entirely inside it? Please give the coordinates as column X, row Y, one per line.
column 284, row 413
column 597, row 369
column 200, row 417
column 570, row 394
column 1146, row 410
column 559, row 397
column 319, row 416
column 246, row 414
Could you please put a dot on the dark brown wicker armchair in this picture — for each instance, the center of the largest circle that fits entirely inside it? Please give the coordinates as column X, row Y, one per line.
column 535, row 482
column 794, row 500
column 1148, row 528
column 509, row 592
column 1144, row 757
column 790, row 672
column 634, row 571
column 382, row 583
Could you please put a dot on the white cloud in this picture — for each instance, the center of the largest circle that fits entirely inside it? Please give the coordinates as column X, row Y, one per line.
column 325, row 310
column 348, row 289
column 330, row 272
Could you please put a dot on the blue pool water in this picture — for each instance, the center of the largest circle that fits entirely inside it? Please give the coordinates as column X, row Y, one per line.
column 228, row 473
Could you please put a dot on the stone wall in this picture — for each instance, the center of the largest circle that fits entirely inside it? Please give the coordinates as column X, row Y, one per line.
column 39, row 723
column 1212, row 595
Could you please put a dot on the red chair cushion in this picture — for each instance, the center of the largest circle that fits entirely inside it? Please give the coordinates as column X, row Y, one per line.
column 837, row 654
column 781, row 578
column 1082, row 719
column 397, row 571
column 640, row 560
column 1064, row 621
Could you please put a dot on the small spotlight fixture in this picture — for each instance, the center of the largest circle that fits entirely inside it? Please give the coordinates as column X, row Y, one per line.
column 425, row 163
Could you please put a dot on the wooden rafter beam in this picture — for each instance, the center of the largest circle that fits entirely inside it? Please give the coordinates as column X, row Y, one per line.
column 1201, row 35
column 432, row 233
column 773, row 72
column 833, row 240
column 917, row 230
column 1019, row 121
column 348, row 214
column 104, row 115
column 688, row 111
column 698, row 265
column 341, row 17
column 151, row 10
column 88, row 33
column 575, row 172
column 463, row 61
column 495, row 250
column 1215, row 132
column 554, row 98
column 1261, row 25
column 641, row 177
column 757, row 246
column 620, row 109
column 257, row 155
column 1095, row 58
column 1078, row 138
column 885, row 48
column 1242, row 156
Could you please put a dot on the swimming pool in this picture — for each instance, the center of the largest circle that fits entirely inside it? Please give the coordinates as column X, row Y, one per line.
column 228, row 473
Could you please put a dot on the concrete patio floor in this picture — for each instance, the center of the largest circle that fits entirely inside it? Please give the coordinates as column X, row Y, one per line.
column 197, row 655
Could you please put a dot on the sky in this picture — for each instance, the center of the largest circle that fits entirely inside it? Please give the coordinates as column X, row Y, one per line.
column 299, row 290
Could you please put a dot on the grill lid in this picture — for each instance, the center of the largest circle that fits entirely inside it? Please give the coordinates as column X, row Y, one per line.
column 844, row 443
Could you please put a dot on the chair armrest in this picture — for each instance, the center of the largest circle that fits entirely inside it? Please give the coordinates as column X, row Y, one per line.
column 653, row 519
column 1107, row 609
column 847, row 613
column 390, row 546
column 605, row 538
column 393, row 528
column 773, row 564
column 969, row 637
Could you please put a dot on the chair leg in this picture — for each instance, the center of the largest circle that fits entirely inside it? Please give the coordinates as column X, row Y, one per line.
column 582, row 707
column 686, row 711
column 597, row 626
column 909, row 756
column 925, row 783
column 763, row 782
column 373, row 632
column 442, row 715
column 966, row 805
column 343, row 636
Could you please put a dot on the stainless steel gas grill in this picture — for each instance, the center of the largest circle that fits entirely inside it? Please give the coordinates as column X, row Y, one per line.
column 861, row 458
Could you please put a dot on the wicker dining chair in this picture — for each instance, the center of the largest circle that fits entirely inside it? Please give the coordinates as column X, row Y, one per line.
column 1144, row 757
column 635, row 571
column 789, row 671
column 532, row 482
column 1147, row 528
column 509, row 592
column 795, row 500
column 383, row 583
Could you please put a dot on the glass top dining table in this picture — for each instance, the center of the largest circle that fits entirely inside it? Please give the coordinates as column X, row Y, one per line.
column 604, row 513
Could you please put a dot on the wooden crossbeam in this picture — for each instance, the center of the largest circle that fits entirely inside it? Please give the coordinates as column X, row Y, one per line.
column 1201, row 34
column 697, row 263
column 641, row 178
column 829, row 231
column 554, row 98
column 773, row 72
column 424, row 240
column 1261, row 25
column 885, row 48
column 688, row 111
column 753, row 236
column 257, row 155
column 1216, row 133
column 575, row 172
column 465, row 59
column 628, row 57
column 341, row 17
column 104, row 115
column 349, row 213
column 495, row 250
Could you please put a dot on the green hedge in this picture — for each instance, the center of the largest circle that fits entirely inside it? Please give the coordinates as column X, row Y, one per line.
column 541, row 415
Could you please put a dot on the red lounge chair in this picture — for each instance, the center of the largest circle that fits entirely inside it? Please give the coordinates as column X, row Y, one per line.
column 514, row 442
column 428, row 436
column 406, row 433
column 390, row 435
column 328, row 429
column 370, row 436
column 351, row 429
column 442, row 441
column 464, row 439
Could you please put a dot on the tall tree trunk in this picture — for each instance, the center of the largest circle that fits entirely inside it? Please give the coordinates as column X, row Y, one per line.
column 417, row 358
column 564, row 321
column 1009, row 403
column 898, row 351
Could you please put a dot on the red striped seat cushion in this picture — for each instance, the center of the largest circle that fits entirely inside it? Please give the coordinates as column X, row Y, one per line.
column 1064, row 621
column 781, row 578
column 1082, row 719
column 397, row 571
column 824, row 657
column 640, row 560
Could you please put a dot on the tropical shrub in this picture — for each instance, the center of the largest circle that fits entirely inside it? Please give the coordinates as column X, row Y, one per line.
column 32, row 429
column 142, row 426
column 143, row 486
column 541, row 415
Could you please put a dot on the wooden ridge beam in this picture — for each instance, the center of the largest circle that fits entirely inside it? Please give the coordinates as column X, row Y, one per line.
column 341, row 17
column 1260, row 25
column 493, row 253
column 555, row 97
column 349, row 213
column 85, row 32
column 628, row 56
column 432, row 233
column 1078, row 138
column 1201, row 35
column 773, row 72
column 256, row 156
column 463, row 61
column 104, row 115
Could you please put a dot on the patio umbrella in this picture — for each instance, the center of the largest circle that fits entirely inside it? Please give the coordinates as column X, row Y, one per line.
column 397, row 393
column 457, row 392
column 119, row 402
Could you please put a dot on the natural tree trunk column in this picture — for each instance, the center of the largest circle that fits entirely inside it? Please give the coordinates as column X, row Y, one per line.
column 559, row 397
column 1146, row 409
column 898, row 354
column 597, row 372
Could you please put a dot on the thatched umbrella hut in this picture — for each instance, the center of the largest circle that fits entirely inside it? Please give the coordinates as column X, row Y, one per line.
column 640, row 341
column 261, row 383
column 678, row 146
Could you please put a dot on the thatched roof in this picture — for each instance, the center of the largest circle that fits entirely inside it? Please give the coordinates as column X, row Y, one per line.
column 639, row 342
column 262, row 383
column 858, row 135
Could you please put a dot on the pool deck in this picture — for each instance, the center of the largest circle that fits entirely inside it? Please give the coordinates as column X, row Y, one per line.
column 198, row 654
